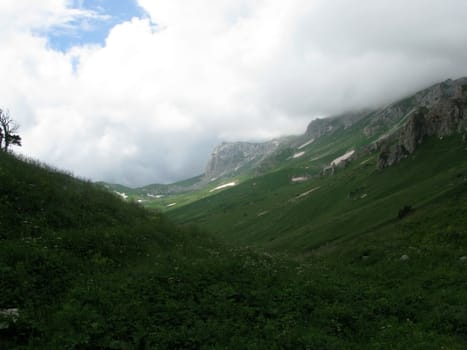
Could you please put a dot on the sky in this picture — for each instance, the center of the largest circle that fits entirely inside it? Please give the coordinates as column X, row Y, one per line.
column 140, row 91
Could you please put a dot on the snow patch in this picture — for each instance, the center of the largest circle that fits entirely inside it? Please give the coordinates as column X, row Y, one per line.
column 157, row 196
column 306, row 144
column 263, row 213
column 306, row 193
column 121, row 194
column 299, row 179
column 340, row 159
column 230, row 184
column 298, row 155
column 171, row 205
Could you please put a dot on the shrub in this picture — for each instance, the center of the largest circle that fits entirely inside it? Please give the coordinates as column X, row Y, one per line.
column 404, row 211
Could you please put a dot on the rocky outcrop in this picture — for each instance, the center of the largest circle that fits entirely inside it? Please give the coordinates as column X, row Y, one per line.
column 323, row 126
column 437, row 111
column 440, row 112
column 398, row 129
column 390, row 156
column 229, row 158
column 391, row 116
column 320, row 127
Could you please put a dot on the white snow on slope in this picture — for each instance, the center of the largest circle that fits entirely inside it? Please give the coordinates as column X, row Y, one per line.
column 171, row 205
column 306, row 144
column 340, row 159
column 230, row 184
column 305, row 193
column 121, row 194
column 299, row 154
column 300, row 179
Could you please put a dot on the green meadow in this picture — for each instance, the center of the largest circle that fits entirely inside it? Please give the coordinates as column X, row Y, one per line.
column 256, row 266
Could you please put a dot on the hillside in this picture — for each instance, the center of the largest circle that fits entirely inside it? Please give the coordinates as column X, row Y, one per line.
column 81, row 269
column 392, row 133
column 345, row 176
column 275, row 211
column 350, row 236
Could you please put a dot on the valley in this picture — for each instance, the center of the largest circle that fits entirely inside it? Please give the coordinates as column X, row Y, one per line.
column 350, row 236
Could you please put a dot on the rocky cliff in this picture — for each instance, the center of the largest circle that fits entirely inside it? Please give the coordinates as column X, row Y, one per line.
column 394, row 131
column 438, row 111
column 323, row 126
column 230, row 158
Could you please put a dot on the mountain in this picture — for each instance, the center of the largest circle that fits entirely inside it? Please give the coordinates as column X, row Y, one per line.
column 228, row 159
column 283, row 254
column 155, row 191
column 291, row 200
column 399, row 128
column 392, row 133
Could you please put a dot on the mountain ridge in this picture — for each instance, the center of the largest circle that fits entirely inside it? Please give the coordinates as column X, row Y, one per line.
column 392, row 131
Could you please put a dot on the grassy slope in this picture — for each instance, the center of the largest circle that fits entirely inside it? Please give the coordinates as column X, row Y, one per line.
column 351, row 248
column 268, row 210
column 88, row 271
column 316, row 156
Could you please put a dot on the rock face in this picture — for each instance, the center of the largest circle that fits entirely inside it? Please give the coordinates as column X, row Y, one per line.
column 438, row 111
column 396, row 131
column 320, row 127
column 229, row 158
column 387, row 117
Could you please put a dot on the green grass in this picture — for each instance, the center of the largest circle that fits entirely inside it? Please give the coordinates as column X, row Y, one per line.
column 89, row 271
column 269, row 212
column 317, row 155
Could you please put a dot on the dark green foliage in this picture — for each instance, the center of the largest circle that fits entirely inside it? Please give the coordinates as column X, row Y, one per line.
column 34, row 199
column 88, row 271
column 404, row 211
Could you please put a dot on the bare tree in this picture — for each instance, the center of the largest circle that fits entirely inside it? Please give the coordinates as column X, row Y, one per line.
column 8, row 128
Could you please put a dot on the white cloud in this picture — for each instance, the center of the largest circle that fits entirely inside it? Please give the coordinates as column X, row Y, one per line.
column 150, row 104
column 40, row 15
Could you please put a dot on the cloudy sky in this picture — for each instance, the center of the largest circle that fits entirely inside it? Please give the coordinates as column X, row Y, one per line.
column 140, row 91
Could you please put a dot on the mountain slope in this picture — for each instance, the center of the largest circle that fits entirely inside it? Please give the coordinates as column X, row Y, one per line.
column 272, row 210
column 393, row 132
column 93, row 282
column 298, row 204
column 231, row 158
column 366, row 258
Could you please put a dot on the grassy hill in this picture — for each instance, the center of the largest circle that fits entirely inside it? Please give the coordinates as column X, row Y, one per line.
column 391, row 245
column 273, row 211
column 82, row 269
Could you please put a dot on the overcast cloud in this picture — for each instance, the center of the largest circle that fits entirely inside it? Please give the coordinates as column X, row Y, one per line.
column 150, row 103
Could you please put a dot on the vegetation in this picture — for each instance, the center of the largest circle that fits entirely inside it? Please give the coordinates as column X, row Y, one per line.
column 85, row 270
column 271, row 211
column 8, row 127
